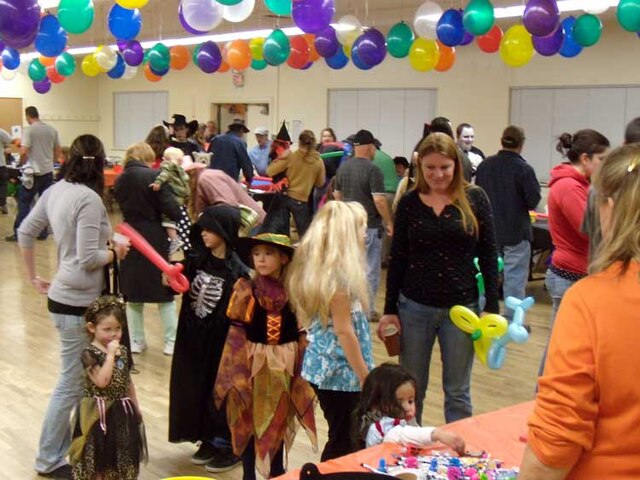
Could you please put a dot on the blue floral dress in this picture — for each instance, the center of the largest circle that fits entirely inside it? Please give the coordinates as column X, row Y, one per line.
column 325, row 364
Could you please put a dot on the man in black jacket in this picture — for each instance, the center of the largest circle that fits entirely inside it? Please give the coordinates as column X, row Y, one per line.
column 512, row 187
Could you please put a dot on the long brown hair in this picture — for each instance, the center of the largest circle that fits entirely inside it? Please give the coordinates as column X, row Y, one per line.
column 444, row 145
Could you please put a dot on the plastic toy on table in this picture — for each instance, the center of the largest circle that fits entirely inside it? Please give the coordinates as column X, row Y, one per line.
column 447, row 467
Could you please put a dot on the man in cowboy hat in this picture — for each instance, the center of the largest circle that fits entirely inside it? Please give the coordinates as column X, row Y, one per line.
column 230, row 152
column 182, row 133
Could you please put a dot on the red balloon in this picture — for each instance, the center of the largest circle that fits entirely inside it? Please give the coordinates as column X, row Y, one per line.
column 490, row 41
column 177, row 280
column 53, row 74
column 224, row 67
column 300, row 52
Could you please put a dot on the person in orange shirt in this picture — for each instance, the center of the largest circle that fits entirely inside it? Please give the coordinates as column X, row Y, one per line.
column 588, row 405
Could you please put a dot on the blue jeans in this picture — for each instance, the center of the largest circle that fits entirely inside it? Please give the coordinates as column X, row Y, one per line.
column 55, row 437
column 516, row 271
column 373, row 245
column 421, row 325
column 556, row 286
column 27, row 196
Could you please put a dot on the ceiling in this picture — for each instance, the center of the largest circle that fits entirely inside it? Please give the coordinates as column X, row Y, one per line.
column 160, row 18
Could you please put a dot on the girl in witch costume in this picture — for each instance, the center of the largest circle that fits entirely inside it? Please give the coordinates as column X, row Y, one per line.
column 182, row 133
column 259, row 375
column 108, row 439
column 212, row 268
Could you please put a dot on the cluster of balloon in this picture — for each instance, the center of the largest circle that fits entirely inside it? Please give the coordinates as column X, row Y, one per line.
column 516, row 332
column 482, row 330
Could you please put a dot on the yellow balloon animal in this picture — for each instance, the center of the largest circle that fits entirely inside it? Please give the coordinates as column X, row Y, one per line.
column 482, row 330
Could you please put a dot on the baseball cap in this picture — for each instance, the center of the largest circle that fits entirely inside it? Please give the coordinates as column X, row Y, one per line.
column 261, row 131
column 363, row 137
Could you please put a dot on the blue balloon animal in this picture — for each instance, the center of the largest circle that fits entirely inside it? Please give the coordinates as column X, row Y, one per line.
column 515, row 333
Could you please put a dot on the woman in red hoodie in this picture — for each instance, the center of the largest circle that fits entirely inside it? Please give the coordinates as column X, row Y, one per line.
column 567, row 202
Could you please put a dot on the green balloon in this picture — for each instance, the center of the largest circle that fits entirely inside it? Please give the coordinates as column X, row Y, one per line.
column 194, row 55
column 279, row 7
column 76, row 16
column 478, row 18
column 65, row 64
column 159, row 57
column 229, row 2
column 628, row 14
column 258, row 64
column 399, row 40
column 37, row 71
column 276, row 48
column 587, row 30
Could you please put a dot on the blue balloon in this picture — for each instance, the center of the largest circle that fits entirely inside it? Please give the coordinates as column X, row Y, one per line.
column 570, row 48
column 159, row 73
column 338, row 61
column 117, row 71
column 124, row 24
column 51, row 39
column 450, row 30
column 357, row 60
column 10, row 58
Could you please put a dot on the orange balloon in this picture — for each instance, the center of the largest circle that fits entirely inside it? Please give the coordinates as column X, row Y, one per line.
column 447, row 57
column 47, row 61
column 149, row 75
column 239, row 55
column 53, row 75
column 224, row 67
column 179, row 57
column 313, row 53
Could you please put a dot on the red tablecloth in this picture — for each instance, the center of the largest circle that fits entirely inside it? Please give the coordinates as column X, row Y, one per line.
column 499, row 433
column 110, row 176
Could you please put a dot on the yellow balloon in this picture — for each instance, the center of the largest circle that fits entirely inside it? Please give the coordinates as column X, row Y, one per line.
column 89, row 66
column 131, row 4
column 424, row 54
column 516, row 46
column 256, row 45
column 482, row 330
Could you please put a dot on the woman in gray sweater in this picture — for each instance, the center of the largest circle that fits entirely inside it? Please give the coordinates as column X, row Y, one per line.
column 73, row 208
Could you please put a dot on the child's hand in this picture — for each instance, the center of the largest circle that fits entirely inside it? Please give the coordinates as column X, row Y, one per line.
column 452, row 440
column 155, row 187
column 113, row 348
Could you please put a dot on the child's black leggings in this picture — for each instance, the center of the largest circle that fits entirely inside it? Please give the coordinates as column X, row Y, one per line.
column 249, row 462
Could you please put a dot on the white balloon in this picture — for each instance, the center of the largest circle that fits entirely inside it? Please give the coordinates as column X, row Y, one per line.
column 23, row 68
column 595, row 7
column 349, row 28
column 8, row 74
column 202, row 15
column 239, row 12
column 129, row 72
column 106, row 58
column 426, row 19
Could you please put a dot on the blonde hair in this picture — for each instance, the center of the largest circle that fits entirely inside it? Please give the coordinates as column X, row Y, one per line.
column 330, row 258
column 444, row 145
column 173, row 154
column 140, row 151
column 619, row 178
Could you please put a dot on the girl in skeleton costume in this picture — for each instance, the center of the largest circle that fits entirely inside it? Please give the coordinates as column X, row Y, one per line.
column 259, row 376
column 212, row 268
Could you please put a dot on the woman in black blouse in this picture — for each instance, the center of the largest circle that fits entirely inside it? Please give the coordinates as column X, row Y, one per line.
column 440, row 227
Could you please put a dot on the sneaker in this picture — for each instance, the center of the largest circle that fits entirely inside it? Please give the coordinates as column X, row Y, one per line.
column 60, row 473
column 175, row 245
column 168, row 348
column 205, row 454
column 223, row 462
column 138, row 347
column 11, row 238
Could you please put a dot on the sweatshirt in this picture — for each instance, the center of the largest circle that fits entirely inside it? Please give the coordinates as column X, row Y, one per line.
column 305, row 170
column 568, row 193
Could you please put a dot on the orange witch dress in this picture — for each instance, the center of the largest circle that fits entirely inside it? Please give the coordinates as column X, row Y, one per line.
column 259, row 374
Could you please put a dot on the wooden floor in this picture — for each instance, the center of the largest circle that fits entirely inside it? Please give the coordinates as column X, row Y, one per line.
column 29, row 367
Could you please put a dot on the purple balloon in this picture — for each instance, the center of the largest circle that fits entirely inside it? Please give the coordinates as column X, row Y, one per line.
column 1, row 45
column 184, row 23
column 132, row 52
column 467, row 39
column 209, row 57
column 326, row 42
column 43, row 86
column 19, row 22
column 371, row 47
column 541, row 17
column 313, row 16
column 357, row 60
column 549, row 45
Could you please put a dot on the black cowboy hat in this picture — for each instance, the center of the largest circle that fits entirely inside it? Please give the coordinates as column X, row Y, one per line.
column 181, row 121
column 238, row 124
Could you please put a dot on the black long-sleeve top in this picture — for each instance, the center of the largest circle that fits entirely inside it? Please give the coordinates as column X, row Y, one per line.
column 432, row 256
